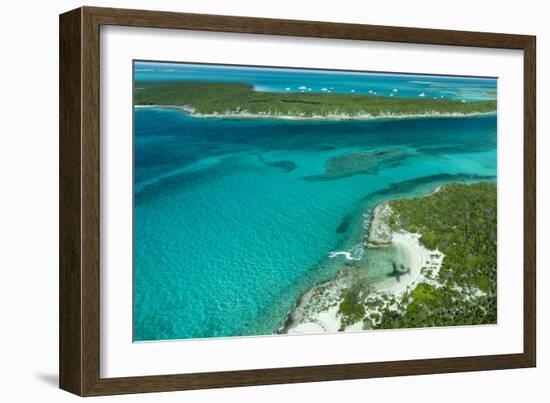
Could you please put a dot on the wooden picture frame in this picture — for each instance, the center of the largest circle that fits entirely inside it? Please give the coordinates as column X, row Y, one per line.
column 79, row 280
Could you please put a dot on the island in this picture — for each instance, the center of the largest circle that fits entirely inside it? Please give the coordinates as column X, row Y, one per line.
column 448, row 238
column 241, row 100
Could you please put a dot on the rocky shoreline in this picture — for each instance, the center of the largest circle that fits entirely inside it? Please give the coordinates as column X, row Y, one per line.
column 243, row 114
column 380, row 233
column 307, row 315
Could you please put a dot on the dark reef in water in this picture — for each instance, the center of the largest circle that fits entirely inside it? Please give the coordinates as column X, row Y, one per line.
column 410, row 185
column 286, row 166
column 326, row 147
column 344, row 224
column 360, row 162
column 174, row 183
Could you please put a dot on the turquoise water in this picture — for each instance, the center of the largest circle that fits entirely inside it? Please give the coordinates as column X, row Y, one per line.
column 234, row 219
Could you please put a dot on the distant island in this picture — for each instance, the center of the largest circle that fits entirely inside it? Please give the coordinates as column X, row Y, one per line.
column 449, row 241
column 240, row 100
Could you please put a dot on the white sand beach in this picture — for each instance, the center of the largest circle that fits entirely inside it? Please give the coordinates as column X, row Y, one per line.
column 416, row 257
column 326, row 321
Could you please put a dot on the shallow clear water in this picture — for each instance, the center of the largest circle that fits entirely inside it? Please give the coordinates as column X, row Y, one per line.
column 234, row 219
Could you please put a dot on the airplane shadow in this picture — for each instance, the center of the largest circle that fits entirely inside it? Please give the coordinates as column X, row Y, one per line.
column 398, row 272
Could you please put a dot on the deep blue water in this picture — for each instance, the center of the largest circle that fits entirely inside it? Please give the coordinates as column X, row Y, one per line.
column 234, row 219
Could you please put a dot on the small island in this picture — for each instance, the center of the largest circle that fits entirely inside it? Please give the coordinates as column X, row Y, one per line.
column 241, row 100
column 449, row 241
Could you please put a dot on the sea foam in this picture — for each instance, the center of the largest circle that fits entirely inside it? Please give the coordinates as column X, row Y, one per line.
column 355, row 253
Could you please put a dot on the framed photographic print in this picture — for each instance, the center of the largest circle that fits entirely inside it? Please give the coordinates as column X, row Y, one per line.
column 249, row 201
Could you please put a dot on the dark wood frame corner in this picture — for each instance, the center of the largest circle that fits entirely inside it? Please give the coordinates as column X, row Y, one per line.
column 79, row 201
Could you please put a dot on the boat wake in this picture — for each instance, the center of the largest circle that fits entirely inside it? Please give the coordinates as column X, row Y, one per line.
column 355, row 253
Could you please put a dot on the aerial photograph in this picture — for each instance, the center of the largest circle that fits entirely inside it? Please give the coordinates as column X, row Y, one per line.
column 272, row 201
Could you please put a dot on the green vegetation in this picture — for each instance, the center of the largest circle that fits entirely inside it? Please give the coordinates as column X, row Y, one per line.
column 352, row 305
column 208, row 98
column 461, row 221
